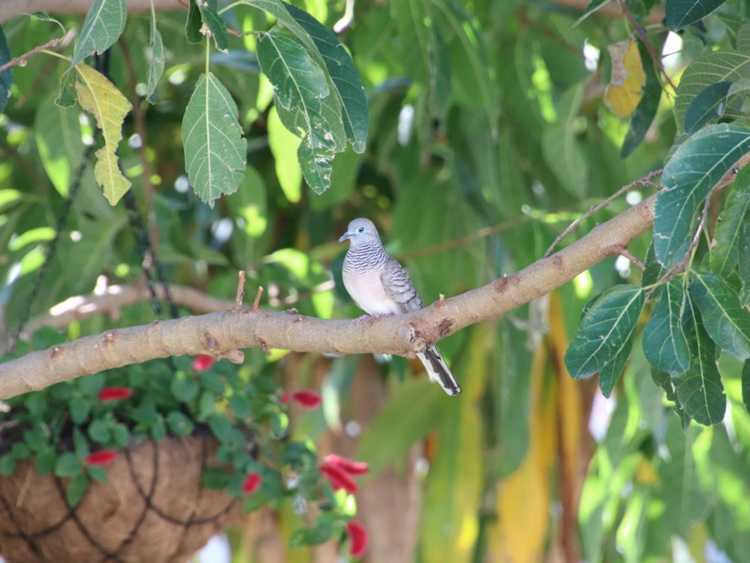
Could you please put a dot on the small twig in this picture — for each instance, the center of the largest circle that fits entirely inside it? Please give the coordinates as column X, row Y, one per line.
column 621, row 250
column 239, row 298
column 640, row 182
column 258, row 295
column 57, row 43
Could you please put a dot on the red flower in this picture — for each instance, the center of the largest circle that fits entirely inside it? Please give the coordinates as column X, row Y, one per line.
column 115, row 393
column 251, row 483
column 357, row 537
column 338, row 478
column 102, row 457
column 203, row 362
column 349, row 465
column 306, row 398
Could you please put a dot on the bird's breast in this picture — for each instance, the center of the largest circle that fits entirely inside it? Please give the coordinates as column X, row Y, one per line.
column 366, row 288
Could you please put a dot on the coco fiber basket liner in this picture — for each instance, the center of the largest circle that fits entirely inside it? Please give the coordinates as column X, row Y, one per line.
column 151, row 509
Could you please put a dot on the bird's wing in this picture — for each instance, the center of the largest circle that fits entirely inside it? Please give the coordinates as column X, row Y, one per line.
column 398, row 286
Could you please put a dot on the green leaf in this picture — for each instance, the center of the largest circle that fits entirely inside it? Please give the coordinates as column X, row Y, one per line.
column 284, row 146
column 66, row 97
column 7, row 465
column 709, row 68
column 645, row 111
column 76, row 489
column 592, row 7
column 216, row 26
column 407, row 417
column 68, row 465
column 746, row 385
column 105, row 102
column 184, row 387
column 213, row 382
column 157, row 58
column 690, row 175
column 215, row 150
column 45, row 461
column 240, row 406
column 79, row 409
column 726, row 253
column 97, row 473
column 653, row 270
column 320, row 533
column 699, row 390
column 725, row 320
column 193, row 23
column 605, row 333
column 664, row 342
column 158, row 429
column 707, row 106
column 58, row 139
column 5, row 77
column 744, row 263
column 681, row 13
column 36, row 403
column 80, row 444
column 561, row 148
column 20, row 451
column 227, row 434
column 214, row 478
column 120, row 435
column 179, row 424
column 300, row 91
column 104, row 23
column 99, row 431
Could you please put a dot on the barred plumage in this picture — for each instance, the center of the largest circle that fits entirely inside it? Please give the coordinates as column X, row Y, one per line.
column 382, row 286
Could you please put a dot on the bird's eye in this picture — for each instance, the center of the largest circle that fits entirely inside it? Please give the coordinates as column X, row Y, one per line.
column 361, row 230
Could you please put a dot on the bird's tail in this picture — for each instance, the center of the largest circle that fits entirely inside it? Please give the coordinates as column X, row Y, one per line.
column 438, row 370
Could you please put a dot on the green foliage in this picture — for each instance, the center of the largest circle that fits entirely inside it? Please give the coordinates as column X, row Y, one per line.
column 681, row 13
column 664, row 340
column 104, row 23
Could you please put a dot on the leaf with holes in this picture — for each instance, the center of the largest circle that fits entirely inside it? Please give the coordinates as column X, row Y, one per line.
column 681, row 13
column 304, row 104
column 726, row 321
column 215, row 150
column 689, row 176
column 605, row 332
column 664, row 342
column 156, row 66
column 726, row 253
column 347, row 85
column 104, row 23
column 105, row 102
column 699, row 390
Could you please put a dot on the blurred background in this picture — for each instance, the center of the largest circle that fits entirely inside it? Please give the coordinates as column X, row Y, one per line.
column 493, row 125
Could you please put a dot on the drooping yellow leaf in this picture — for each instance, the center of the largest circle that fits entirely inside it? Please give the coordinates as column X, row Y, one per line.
column 450, row 526
column 627, row 80
column 105, row 102
column 523, row 497
column 569, row 393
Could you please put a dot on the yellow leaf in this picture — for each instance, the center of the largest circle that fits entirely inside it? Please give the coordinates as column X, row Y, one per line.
column 569, row 392
column 626, row 84
column 450, row 526
column 523, row 497
column 105, row 102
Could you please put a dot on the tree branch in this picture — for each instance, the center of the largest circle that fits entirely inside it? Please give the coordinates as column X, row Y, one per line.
column 224, row 331
column 117, row 296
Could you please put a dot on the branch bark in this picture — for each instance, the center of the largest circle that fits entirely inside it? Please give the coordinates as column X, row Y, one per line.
column 224, row 331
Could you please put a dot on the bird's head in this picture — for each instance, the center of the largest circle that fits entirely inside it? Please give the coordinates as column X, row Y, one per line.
column 360, row 231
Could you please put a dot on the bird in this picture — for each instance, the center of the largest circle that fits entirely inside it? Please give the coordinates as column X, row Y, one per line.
column 381, row 286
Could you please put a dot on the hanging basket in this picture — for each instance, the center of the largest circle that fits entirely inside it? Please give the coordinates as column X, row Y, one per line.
column 152, row 508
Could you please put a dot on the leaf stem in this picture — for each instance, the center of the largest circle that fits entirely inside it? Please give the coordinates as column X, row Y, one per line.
column 52, row 53
column 208, row 55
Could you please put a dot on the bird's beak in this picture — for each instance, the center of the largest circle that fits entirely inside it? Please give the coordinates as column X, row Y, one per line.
column 346, row 236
